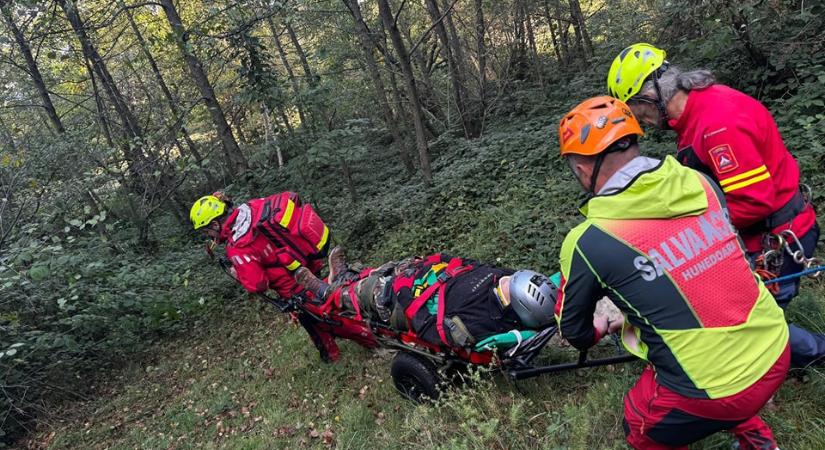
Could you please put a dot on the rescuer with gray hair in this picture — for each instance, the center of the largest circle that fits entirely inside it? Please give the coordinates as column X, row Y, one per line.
column 732, row 138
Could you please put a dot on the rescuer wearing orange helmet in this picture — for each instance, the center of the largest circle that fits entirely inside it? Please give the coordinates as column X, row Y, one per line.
column 657, row 241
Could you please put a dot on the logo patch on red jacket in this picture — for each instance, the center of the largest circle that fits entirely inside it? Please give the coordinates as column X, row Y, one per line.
column 723, row 158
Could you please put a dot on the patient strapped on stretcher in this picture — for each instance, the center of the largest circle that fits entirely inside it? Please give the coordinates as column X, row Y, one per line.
column 444, row 300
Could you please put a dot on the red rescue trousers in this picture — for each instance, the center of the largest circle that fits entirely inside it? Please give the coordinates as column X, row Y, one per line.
column 657, row 418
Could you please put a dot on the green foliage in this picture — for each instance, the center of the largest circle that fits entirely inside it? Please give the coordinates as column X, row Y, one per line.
column 72, row 306
column 97, row 271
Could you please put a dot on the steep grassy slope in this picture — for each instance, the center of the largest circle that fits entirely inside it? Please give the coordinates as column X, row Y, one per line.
column 249, row 379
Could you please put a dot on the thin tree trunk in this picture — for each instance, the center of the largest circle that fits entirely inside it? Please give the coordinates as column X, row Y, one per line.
column 425, row 81
column 455, row 42
column 377, row 82
column 455, row 71
column 404, row 60
column 348, row 179
column 518, row 58
column 481, row 48
column 579, row 27
column 564, row 33
column 270, row 136
column 285, row 119
column 101, row 112
column 311, row 79
column 31, row 64
column 534, row 54
column 130, row 123
column 235, row 160
column 296, row 88
column 552, row 28
column 177, row 117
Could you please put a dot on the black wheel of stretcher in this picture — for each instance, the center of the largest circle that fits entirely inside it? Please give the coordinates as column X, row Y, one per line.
column 415, row 377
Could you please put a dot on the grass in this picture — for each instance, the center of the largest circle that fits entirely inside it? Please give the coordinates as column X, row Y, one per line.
column 252, row 380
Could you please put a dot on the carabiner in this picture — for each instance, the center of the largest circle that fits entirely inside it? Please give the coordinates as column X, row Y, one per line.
column 795, row 240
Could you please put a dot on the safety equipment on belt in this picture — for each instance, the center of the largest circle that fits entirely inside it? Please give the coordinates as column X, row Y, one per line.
column 205, row 210
column 631, row 68
column 533, row 298
column 597, row 126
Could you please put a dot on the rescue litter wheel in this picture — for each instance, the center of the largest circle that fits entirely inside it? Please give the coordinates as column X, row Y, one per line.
column 415, row 377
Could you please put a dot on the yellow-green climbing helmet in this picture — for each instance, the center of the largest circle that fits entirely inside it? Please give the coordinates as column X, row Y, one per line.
column 630, row 69
column 205, row 210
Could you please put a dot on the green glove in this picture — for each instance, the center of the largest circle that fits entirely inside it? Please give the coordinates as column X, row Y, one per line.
column 504, row 340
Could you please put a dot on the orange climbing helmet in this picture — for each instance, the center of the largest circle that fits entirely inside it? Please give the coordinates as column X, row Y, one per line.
column 595, row 124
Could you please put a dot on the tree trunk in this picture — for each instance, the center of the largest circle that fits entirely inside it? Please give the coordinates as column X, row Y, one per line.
column 285, row 119
column 518, row 57
column 582, row 37
column 31, row 64
column 296, row 88
column 534, row 53
column 101, row 112
column 425, row 82
column 377, row 82
column 177, row 117
column 235, row 162
column 130, row 123
column 553, row 37
column 564, row 33
column 270, row 136
column 348, row 179
column 311, row 79
column 404, row 60
column 482, row 61
column 455, row 71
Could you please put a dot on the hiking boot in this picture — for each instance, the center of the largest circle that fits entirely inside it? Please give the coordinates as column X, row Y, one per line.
column 337, row 263
column 310, row 282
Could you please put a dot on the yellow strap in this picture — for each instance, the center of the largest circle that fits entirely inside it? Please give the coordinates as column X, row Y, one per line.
column 294, row 265
column 287, row 217
column 742, row 176
column 746, row 183
column 324, row 238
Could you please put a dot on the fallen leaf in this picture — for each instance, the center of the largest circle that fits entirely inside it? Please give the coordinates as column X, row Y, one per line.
column 328, row 437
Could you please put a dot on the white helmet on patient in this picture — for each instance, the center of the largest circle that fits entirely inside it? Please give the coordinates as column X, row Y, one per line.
column 533, row 298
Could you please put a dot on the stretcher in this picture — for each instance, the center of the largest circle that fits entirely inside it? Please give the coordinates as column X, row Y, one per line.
column 420, row 368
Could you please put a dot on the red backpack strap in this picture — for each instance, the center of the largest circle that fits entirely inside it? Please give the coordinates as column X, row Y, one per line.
column 421, row 299
column 439, row 318
column 354, row 300
column 454, row 269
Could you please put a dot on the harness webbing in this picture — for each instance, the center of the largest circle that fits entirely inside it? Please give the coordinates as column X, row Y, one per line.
column 454, row 268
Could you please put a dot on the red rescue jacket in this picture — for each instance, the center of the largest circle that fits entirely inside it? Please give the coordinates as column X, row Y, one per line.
column 734, row 139
column 279, row 236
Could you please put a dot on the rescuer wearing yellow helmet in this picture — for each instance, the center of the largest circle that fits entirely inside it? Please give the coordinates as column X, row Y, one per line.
column 732, row 138
column 267, row 241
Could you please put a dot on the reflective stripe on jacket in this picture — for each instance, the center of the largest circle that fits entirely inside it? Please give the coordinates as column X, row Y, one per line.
column 263, row 263
column 665, row 253
column 734, row 139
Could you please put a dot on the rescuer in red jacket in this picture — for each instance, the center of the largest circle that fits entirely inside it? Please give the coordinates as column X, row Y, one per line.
column 267, row 240
column 732, row 138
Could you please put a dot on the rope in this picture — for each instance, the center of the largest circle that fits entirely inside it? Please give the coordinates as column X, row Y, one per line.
column 793, row 276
